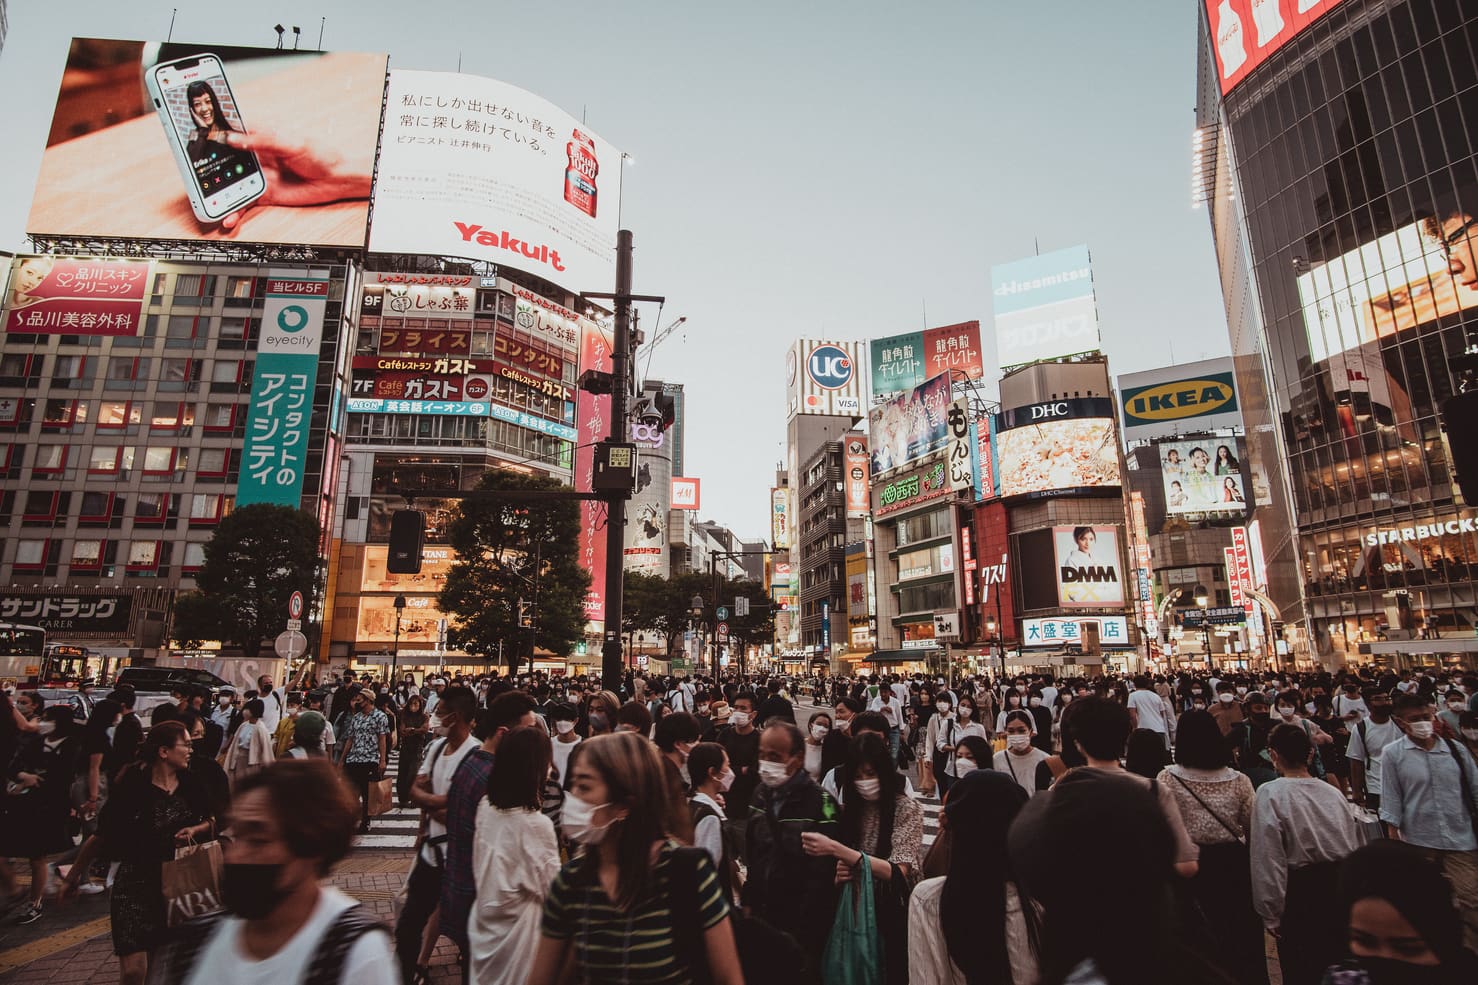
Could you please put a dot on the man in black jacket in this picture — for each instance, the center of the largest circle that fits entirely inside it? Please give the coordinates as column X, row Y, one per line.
column 127, row 737
column 789, row 889
column 834, row 746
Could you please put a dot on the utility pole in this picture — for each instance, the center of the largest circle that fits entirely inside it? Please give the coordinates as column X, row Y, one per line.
column 611, row 664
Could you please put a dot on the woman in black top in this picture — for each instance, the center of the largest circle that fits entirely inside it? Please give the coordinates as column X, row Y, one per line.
column 415, row 725
column 155, row 807
column 38, row 785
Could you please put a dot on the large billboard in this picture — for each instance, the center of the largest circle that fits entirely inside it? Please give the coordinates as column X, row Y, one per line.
column 1044, row 307
column 646, row 544
column 1203, row 476
column 1199, row 396
column 902, row 362
column 1386, row 287
column 276, row 446
column 824, row 378
column 56, row 296
column 594, row 417
column 1090, row 571
column 171, row 141
column 1245, row 33
column 1056, row 447
column 780, row 519
column 473, row 167
column 910, row 426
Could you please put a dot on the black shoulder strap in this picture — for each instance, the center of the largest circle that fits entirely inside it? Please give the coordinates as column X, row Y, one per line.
column 327, row 966
column 1458, row 752
column 682, row 886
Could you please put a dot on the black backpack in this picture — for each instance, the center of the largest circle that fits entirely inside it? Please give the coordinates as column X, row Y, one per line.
column 766, row 955
column 179, row 956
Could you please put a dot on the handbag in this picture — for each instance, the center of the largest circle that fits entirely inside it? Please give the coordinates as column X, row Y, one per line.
column 854, row 953
column 766, row 954
column 192, row 882
column 381, row 796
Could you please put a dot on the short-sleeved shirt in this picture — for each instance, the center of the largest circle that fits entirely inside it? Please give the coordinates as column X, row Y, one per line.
column 362, row 733
column 613, row 945
column 1151, row 709
column 441, row 765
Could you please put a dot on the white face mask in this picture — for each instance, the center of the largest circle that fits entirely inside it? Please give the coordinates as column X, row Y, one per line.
column 575, row 817
column 773, row 774
column 964, row 764
column 726, row 780
column 1199, row 705
column 943, row 707
column 1286, row 713
column 867, row 789
column 819, row 732
column 45, row 728
column 1018, row 741
column 223, row 701
column 1225, row 699
column 739, row 719
column 439, row 728
column 1241, row 690
column 1420, row 730
column 703, row 708
column 1470, row 733
column 965, row 711
column 564, row 727
column 1457, row 705
column 1035, row 702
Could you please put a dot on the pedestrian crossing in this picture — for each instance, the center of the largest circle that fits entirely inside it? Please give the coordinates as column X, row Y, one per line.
column 396, row 829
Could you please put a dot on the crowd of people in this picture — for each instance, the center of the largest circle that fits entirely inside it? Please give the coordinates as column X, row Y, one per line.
column 1112, row 829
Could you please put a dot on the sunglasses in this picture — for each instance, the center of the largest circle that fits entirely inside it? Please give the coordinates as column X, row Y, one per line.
column 1456, row 236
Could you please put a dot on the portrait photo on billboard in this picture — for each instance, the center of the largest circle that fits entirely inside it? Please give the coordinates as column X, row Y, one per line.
column 1089, row 572
column 1203, row 476
column 1057, row 456
column 911, row 425
column 256, row 145
column 475, row 167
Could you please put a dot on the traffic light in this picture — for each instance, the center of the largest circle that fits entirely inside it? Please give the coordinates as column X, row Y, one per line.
column 407, row 537
column 525, row 619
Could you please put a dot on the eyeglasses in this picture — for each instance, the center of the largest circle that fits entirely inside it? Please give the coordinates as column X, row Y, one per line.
column 1456, row 236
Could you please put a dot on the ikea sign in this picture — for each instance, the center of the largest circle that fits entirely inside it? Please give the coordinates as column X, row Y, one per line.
column 1179, row 400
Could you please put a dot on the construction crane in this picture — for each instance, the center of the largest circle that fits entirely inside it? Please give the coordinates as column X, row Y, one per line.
column 661, row 336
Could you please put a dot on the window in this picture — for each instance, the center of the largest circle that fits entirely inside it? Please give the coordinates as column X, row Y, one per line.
column 194, row 557
column 96, row 506
column 87, row 553
column 232, row 330
column 212, row 461
column 116, row 414
column 193, row 288
column 220, row 417
column 174, row 374
column 226, row 371
column 143, row 554
column 103, row 458
column 70, row 369
column 30, row 553
column 14, row 367
column 50, row 458
column 124, row 372
column 180, row 329
column 239, row 288
column 63, row 413
column 150, row 506
column 159, row 459
column 205, row 508
column 40, row 505
column 169, row 415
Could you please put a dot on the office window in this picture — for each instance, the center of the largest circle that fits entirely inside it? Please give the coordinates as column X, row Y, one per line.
column 40, row 505
column 50, row 458
column 63, row 413
column 159, row 459
column 169, row 415
column 174, row 374
column 143, row 554
column 205, row 508
column 87, row 553
column 212, row 461
column 30, row 553
column 220, row 417
column 239, row 287
column 226, row 371
column 116, row 414
column 96, row 506
column 194, row 557
column 232, row 329
column 103, row 458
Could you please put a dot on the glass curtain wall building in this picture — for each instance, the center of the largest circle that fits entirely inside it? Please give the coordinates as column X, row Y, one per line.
column 1341, row 172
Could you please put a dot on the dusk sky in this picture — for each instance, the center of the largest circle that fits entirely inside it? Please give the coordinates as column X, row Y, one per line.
column 840, row 170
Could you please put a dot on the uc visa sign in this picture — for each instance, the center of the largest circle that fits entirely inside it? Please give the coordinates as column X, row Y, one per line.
column 1179, row 400
column 829, row 367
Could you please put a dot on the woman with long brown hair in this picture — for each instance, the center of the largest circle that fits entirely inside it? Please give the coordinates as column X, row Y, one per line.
column 612, row 914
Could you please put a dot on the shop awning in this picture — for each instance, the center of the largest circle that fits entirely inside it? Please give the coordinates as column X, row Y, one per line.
column 900, row 656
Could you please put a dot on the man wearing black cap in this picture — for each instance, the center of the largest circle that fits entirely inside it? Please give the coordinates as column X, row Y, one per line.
column 1249, row 740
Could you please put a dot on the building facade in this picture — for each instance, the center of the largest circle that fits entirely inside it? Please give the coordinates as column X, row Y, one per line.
column 1339, row 170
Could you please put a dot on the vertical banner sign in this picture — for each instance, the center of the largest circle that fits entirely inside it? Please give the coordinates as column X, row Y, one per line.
column 1242, row 558
column 855, row 475
column 961, row 460
column 282, row 392
column 1234, row 584
column 594, row 415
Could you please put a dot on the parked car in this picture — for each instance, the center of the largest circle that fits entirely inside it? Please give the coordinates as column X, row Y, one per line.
column 162, row 680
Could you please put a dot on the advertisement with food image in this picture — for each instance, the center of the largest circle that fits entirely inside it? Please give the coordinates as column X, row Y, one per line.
column 1056, row 456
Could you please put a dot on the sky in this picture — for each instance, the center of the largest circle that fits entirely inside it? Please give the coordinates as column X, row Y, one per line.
column 839, row 169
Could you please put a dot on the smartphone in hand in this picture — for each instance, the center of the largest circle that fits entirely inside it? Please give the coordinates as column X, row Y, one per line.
column 206, row 134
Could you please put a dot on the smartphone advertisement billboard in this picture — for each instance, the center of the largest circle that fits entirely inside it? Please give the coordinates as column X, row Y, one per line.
column 1044, row 307
column 902, row 362
column 1203, row 476
column 910, row 426
column 55, row 296
column 1060, row 446
column 208, row 141
column 473, row 167
column 1089, row 569
column 1245, row 33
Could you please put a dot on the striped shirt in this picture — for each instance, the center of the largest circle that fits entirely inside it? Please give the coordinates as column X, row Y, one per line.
column 613, row 945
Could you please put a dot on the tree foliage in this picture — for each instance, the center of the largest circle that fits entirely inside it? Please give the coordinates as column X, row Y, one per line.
column 259, row 556
column 504, row 551
column 664, row 606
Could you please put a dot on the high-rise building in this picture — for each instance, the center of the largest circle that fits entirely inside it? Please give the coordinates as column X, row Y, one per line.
column 1335, row 159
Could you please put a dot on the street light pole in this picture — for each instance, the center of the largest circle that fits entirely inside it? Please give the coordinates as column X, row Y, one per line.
column 399, row 604
column 1203, row 599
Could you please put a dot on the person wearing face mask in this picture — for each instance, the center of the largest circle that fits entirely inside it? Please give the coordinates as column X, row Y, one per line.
column 1021, row 757
column 37, row 801
column 562, row 719
column 282, row 739
column 1226, row 709
column 1249, row 741
column 280, row 917
column 601, row 709
column 1429, row 797
column 676, row 735
column 363, row 747
column 1301, row 829
column 1468, row 730
column 881, row 838
column 787, row 886
column 1013, row 702
column 250, row 748
column 834, row 746
column 619, row 892
column 1289, row 711
column 223, row 712
column 1454, row 704
column 741, row 740
column 1369, row 739
column 708, row 765
column 940, row 739
column 817, row 729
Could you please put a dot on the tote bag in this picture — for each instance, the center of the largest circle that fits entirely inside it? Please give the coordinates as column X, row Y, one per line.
column 854, row 954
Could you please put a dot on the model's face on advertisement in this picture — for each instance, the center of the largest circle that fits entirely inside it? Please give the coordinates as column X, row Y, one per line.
column 30, row 276
column 1458, row 233
column 1085, row 542
column 1199, row 459
column 205, row 112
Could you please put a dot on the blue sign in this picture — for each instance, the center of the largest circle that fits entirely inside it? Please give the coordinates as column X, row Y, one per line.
column 462, row 408
column 829, row 367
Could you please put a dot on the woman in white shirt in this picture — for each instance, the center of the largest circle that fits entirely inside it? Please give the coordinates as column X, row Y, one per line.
column 968, row 925
column 708, row 765
column 515, row 857
column 251, row 747
column 969, row 721
column 1020, row 759
column 820, row 728
column 1012, row 703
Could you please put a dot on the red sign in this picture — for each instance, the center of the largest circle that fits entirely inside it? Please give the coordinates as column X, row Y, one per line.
column 548, row 387
column 987, row 466
column 411, row 386
column 954, row 349
column 686, row 493
column 1241, row 568
column 527, row 358
column 593, row 417
column 439, row 367
column 476, row 388
column 426, row 341
column 1245, row 33
column 48, row 296
column 856, row 470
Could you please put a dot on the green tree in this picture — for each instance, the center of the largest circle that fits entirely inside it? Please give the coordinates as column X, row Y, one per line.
column 510, row 550
column 758, row 627
column 259, row 556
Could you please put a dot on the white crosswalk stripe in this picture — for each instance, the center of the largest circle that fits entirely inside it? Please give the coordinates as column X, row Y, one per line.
column 396, row 829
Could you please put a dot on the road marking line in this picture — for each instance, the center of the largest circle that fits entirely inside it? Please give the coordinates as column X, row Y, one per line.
column 45, row 947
